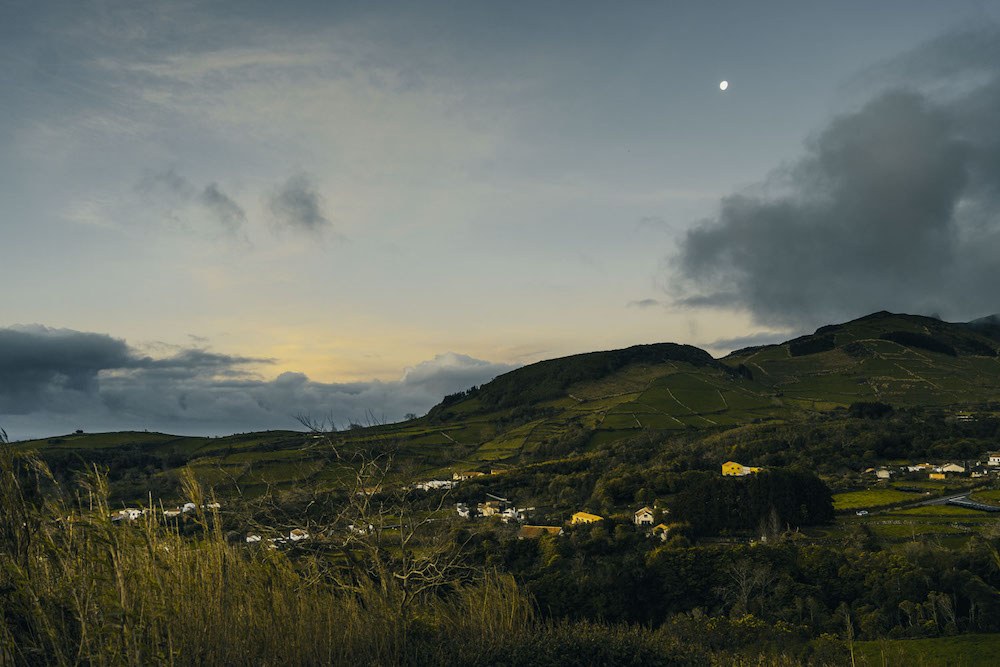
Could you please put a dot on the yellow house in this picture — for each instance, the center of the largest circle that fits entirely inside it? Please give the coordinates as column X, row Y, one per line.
column 585, row 517
column 937, row 475
column 734, row 469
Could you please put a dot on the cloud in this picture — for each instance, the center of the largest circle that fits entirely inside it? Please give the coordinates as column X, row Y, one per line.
column 176, row 193
column 56, row 369
column 727, row 345
column 229, row 214
column 54, row 381
column 642, row 303
column 893, row 206
column 298, row 206
column 39, row 366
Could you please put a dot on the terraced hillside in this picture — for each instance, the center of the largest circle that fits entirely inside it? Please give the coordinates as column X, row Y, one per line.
column 555, row 407
column 896, row 359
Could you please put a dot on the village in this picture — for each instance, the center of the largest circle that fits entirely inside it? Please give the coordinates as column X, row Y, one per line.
column 652, row 520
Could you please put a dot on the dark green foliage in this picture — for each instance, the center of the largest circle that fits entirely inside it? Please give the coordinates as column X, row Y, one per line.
column 800, row 347
column 133, row 471
column 745, row 351
column 741, row 504
column 976, row 347
column 919, row 340
column 858, row 350
column 451, row 399
column 869, row 410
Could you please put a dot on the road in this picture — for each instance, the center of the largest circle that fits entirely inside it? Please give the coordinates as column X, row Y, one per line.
column 959, row 500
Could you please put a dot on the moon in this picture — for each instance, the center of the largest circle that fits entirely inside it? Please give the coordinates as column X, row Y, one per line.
column 723, row 85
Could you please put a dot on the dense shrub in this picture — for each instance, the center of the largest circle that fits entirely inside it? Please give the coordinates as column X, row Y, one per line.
column 869, row 409
column 919, row 340
column 810, row 345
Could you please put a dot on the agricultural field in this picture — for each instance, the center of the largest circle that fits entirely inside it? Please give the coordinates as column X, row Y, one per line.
column 872, row 498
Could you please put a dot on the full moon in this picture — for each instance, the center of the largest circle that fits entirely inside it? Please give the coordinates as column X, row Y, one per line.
column 723, row 85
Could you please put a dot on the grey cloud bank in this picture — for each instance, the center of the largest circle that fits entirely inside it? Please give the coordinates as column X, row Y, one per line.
column 894, row 206
column 54, row 381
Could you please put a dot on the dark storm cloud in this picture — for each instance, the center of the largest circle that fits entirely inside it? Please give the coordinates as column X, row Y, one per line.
column 229, row 214
column 297, row 205
column 54, row 381
column 37, row 363
column 44, row 368
column 892, row 207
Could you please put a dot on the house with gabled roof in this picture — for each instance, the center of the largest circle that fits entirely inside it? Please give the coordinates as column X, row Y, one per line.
column 644, row 517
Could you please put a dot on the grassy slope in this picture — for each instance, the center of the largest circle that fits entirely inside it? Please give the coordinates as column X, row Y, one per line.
column 607, row 396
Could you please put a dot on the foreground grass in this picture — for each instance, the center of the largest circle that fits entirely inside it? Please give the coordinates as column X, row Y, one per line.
column 962, row 651
column 76, row 589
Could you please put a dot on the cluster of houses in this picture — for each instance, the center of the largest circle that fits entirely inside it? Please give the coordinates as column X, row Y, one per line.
column 456, row 477
column 496, row 506
column 133, row 513
column 643, row 517
column 942, row 471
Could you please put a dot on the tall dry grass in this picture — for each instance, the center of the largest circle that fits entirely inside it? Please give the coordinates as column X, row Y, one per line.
column 75, row 588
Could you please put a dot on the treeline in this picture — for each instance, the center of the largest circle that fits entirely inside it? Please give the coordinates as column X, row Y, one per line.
column 786, row 498
column 615, row 573
column 132, row 471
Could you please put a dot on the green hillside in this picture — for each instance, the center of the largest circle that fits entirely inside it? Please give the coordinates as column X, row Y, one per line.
column 574, row 404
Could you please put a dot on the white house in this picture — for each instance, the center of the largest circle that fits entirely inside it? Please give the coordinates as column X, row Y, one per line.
column 298, row 534
column 253, row 538
column 951, row 467
column 508, row 515
column 435, row 484
column 644, row 517
column 994, row 459
column 189, row 507
column 463, row 510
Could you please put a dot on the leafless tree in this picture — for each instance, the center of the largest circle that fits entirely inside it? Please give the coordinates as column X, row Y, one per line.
column 746, row 580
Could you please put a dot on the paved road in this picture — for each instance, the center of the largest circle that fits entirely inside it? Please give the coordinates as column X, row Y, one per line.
column 959, row 500
column 965, row 501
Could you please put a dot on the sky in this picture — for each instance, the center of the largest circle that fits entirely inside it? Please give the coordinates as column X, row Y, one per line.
column 215, row 216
